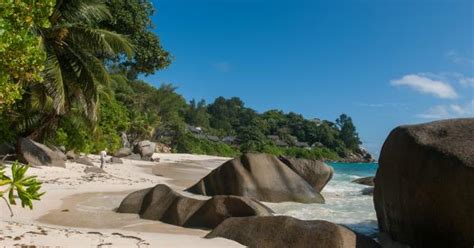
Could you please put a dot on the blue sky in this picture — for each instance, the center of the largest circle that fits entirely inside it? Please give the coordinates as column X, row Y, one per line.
column 383, row 62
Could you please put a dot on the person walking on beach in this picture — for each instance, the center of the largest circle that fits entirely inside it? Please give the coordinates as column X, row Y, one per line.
column 103, row 156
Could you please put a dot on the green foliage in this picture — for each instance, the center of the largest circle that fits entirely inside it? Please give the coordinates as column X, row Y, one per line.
column 133, row 18
column 348, row 132
column 21, row 56
column 187, row 143
column 197, row 114
column 26, row 187
column 251, row 139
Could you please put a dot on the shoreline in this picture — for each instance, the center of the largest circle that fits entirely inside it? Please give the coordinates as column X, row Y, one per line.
column 78, row 208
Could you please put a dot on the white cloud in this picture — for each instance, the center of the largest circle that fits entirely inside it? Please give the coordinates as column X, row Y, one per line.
column 456, row 58
column 449, row 111
column 467, row 81
column 424, row 84
column 223, row 66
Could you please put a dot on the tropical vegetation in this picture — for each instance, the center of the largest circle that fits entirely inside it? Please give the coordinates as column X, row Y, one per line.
column 72, row 75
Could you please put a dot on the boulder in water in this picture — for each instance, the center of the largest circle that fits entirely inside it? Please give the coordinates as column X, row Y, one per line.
column 164, row 204
column 284, row 231
column 34, row 153
column 424, row 190
column 260, row 176
column 368, row 181
column 315, row 172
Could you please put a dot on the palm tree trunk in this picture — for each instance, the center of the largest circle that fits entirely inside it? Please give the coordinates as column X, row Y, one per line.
column 49, row 120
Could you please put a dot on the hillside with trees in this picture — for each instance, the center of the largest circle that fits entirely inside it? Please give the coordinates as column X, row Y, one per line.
column 84, row 90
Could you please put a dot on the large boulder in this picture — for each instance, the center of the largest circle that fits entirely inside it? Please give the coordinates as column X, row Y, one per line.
column 123, row 152
column 424, row 190
column 164, row 204
column 284, row 231
column 145, row 148
column 260, row 176
column 315, row 172
column 34, row 153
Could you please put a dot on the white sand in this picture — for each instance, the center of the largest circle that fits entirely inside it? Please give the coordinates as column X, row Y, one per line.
column 78, row 208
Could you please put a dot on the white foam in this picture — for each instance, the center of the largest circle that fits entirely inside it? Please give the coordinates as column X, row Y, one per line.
column 345, row 204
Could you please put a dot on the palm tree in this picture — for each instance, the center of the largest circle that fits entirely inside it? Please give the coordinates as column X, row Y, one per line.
column 75, row 73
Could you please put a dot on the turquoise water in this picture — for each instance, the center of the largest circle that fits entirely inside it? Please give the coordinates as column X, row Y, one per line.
column 345, row 203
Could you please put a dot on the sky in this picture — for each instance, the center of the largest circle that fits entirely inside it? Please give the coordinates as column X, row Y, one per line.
column 385, row 63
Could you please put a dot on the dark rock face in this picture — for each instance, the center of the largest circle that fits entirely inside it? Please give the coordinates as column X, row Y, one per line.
column 145, row 148
column 263, row 177
column 424, row 190
column 315, row 172
column 34, row 153
column 164, row 204
column 123, row 152
column 84, row 161
column 369, row 181
column 284, row 231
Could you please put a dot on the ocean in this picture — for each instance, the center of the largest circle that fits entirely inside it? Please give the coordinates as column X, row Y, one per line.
column 345, row 203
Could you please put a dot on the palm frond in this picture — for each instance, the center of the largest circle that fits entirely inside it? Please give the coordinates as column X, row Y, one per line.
column 82, row 11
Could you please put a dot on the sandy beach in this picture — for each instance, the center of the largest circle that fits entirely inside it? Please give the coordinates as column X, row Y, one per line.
column 78, row 209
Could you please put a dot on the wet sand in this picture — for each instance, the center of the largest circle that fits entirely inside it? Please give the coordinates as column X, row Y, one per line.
column 97, row 211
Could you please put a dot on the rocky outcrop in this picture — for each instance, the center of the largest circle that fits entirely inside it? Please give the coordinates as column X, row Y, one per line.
column 315, row 172
column 284, row 231
column 263, row 177
column 34, row 153
column 164, row 204
column 123, row 152
column 368, row 181
column 145, row 148
column 358, row 156
column 424, row 190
